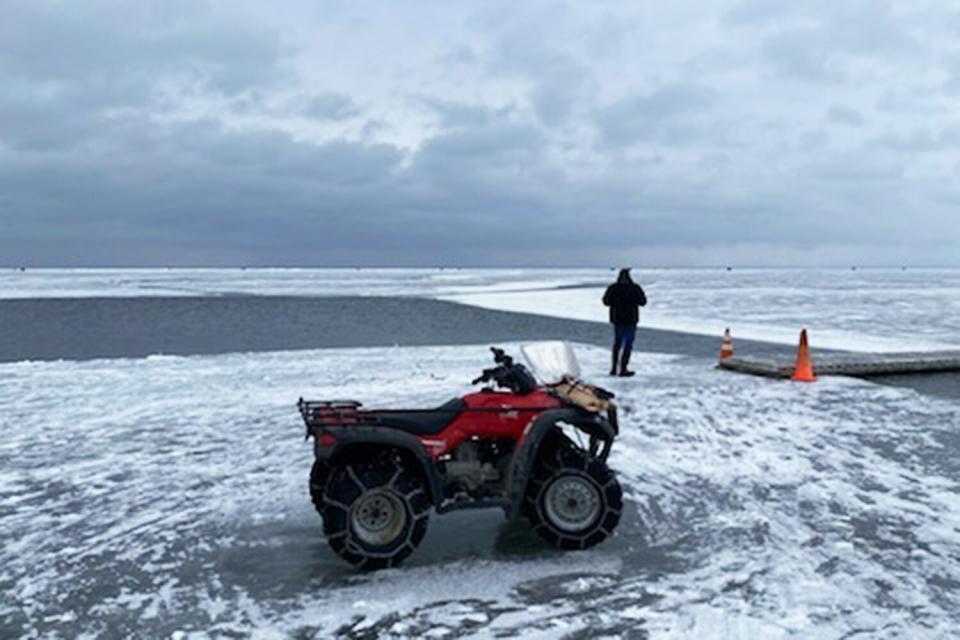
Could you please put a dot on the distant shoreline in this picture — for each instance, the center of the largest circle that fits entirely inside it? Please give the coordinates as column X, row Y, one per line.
column 705, row 267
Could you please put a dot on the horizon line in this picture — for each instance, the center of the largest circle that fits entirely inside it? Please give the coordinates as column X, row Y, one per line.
column 244, row 267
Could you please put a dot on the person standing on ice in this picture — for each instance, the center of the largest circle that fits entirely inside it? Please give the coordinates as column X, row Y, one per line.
column 624, row 297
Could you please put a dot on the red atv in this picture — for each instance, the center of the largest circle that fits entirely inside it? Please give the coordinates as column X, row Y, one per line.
column 539, row 450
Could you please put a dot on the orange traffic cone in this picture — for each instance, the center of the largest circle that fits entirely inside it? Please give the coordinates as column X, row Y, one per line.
column 804, row 369
column 726, row 349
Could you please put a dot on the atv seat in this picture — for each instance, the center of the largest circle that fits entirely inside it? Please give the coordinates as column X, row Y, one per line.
column 420, row 423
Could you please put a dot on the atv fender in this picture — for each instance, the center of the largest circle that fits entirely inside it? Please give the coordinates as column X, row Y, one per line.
column 350, row 439
column 526, row 453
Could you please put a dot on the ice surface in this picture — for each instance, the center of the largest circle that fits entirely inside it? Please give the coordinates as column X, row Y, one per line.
column 47, row 283
column 167, row 497
column 867, row 309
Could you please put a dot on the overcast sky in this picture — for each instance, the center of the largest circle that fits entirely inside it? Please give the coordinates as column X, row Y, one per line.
column 750, row 132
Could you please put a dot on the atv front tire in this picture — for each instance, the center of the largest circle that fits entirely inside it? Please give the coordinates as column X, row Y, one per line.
column 573, row 501
column 374, row 514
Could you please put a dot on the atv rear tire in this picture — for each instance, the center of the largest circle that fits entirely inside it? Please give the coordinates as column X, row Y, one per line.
column 374, row 514
column 318, row 480
column 573, row 501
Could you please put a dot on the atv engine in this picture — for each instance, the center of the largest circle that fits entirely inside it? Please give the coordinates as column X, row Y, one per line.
column 477, row 465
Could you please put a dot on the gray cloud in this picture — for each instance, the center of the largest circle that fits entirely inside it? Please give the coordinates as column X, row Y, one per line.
column 665, row 114
column 457, row 114
column 331, row 106
column 116, row 53
column 919, row 140
column 840, row 114
column 186, row 133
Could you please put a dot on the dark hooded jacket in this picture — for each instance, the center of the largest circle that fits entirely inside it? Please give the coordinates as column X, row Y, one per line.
column 624, row 297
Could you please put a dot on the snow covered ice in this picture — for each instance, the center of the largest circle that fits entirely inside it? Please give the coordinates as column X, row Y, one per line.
column 167, row 496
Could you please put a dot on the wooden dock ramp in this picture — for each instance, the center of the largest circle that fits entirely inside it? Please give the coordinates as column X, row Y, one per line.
column 861, row 365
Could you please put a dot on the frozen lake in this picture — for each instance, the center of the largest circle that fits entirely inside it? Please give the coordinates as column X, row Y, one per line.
column 866, row 309
column 168, row 494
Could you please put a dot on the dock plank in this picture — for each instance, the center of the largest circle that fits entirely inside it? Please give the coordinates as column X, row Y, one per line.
column 850, row 364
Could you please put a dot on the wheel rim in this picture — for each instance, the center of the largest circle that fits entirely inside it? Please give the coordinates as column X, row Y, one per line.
column 572, row 502
column 378, row 517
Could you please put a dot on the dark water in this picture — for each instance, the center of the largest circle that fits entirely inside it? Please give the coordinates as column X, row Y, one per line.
column 87, row 328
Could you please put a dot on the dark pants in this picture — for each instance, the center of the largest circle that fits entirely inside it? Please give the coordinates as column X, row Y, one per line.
column 623, row 335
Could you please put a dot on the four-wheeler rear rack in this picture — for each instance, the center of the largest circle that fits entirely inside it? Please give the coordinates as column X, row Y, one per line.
column 329, row 413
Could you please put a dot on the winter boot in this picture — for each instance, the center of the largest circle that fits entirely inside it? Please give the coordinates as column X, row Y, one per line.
column 624, row 372
column 613, row 364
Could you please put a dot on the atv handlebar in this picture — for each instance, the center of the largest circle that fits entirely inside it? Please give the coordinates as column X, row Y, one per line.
column 508, row 375
column 496, row 374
